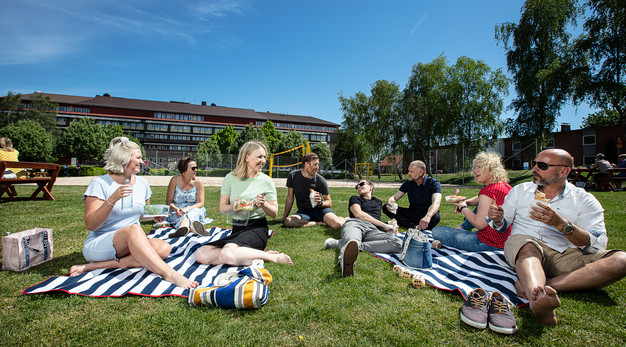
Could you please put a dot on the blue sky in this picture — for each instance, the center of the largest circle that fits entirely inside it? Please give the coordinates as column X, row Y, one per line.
column 281, row 56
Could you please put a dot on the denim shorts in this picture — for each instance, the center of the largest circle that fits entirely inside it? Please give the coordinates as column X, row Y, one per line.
column 314, row 214
column 99, row 247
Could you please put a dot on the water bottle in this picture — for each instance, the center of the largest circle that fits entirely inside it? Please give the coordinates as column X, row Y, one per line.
column 127, row 202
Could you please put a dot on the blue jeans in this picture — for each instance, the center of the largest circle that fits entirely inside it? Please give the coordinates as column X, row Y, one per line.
column 466, row 224
column 461, row 239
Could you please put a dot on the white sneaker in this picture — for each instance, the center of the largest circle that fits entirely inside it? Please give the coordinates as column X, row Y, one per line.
column 331, row 243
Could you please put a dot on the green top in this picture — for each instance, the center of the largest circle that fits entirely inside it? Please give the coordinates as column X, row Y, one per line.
column 248, row 188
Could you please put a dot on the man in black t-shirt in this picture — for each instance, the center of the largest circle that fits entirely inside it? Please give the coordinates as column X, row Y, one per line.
column 424, row 199
column 363, row 230
column 300, row 183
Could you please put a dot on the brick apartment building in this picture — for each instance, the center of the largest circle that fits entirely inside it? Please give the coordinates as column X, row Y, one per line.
column 173, row 129
column 582, row 144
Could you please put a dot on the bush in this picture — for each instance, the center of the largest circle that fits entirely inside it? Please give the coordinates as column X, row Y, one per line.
column 88, row 170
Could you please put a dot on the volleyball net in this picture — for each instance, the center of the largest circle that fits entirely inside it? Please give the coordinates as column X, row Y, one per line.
column 289, row 158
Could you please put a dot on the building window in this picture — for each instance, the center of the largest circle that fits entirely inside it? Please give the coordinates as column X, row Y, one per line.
column 589, row 160
column 156, row 127
column 589, row 140
column 517, row 145
column 202, row 130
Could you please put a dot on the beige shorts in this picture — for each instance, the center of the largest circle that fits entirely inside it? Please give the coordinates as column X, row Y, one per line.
column 554, row 263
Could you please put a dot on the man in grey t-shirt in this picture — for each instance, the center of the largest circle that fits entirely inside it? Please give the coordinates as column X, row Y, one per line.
column 301, row 183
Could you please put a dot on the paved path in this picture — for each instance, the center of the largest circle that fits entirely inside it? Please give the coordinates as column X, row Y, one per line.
column 162, row 181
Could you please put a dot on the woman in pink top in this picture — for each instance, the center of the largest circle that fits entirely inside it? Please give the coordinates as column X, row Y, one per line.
column 488, row 170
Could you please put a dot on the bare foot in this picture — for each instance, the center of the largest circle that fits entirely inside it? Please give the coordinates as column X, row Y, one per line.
column 319, row 223
column 180, row 280
column 520, row 291
column 77, row 270
column 543, row 301
column 283, row 258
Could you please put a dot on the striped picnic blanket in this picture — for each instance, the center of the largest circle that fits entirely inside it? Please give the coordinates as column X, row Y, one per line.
column 464, row 271
column 139, row 281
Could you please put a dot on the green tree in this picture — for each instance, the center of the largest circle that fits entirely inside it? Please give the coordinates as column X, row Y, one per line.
column 291, row 139
column 353, row 136
column 225, row 138
column 601, row 119
column 43, row 111
column 602, row 57
column 345, row 150
column 383, row 112
column 538, row 56
column 249, row 132
column 11, row 108
column 83, row 139
column 322, row 150
column 33, row 142
column 112, row 131
column 208, row 152
column 272, row 136
column 426, row 112
column 475, row 93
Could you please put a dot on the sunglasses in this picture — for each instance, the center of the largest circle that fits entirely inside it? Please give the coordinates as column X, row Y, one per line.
column 194, row 168
column 359, row 185
column 544, row 166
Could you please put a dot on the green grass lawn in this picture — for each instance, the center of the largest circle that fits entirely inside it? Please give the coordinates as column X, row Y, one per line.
column 309, row 304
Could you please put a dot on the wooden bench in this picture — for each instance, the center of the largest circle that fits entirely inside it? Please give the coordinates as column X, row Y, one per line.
column 615, row 180
column 44, row 183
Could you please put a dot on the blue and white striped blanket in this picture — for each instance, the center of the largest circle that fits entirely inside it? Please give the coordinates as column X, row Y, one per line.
column 454, row 269
column 138, row 281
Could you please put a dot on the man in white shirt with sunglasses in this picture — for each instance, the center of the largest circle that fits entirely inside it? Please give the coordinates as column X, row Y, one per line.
column 559, row 245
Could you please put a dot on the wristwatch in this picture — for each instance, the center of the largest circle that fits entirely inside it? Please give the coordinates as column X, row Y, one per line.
column 569, row 228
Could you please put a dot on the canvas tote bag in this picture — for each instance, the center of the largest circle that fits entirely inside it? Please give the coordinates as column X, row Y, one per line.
column 26, row 248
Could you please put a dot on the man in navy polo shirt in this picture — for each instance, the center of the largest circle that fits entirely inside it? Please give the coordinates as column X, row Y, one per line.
column 424, row 199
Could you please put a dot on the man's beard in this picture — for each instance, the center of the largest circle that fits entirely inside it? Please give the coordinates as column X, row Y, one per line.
column 546, row 181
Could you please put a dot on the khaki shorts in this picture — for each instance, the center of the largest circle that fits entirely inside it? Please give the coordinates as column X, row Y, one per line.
column 554, row 263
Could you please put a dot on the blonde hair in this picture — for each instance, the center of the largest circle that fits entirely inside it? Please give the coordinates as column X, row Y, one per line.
column 6, row 144
column 245, row 150
column 493, row 163
column 118, row 155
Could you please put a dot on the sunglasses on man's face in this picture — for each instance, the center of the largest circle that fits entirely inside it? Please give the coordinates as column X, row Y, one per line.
column 544, row 166
column 359, row 185
column 194, row 168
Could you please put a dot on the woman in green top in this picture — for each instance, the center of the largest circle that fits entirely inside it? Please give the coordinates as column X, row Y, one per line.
column 249, row 195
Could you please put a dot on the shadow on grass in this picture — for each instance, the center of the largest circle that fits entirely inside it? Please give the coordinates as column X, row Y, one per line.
column 56, row 266
column 597, row 297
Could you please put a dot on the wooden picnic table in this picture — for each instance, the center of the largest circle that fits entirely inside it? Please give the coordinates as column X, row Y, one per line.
column 43, row 175
column 606, row 183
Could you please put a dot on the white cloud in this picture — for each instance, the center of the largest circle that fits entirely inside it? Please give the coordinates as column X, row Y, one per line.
column 41, row 30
